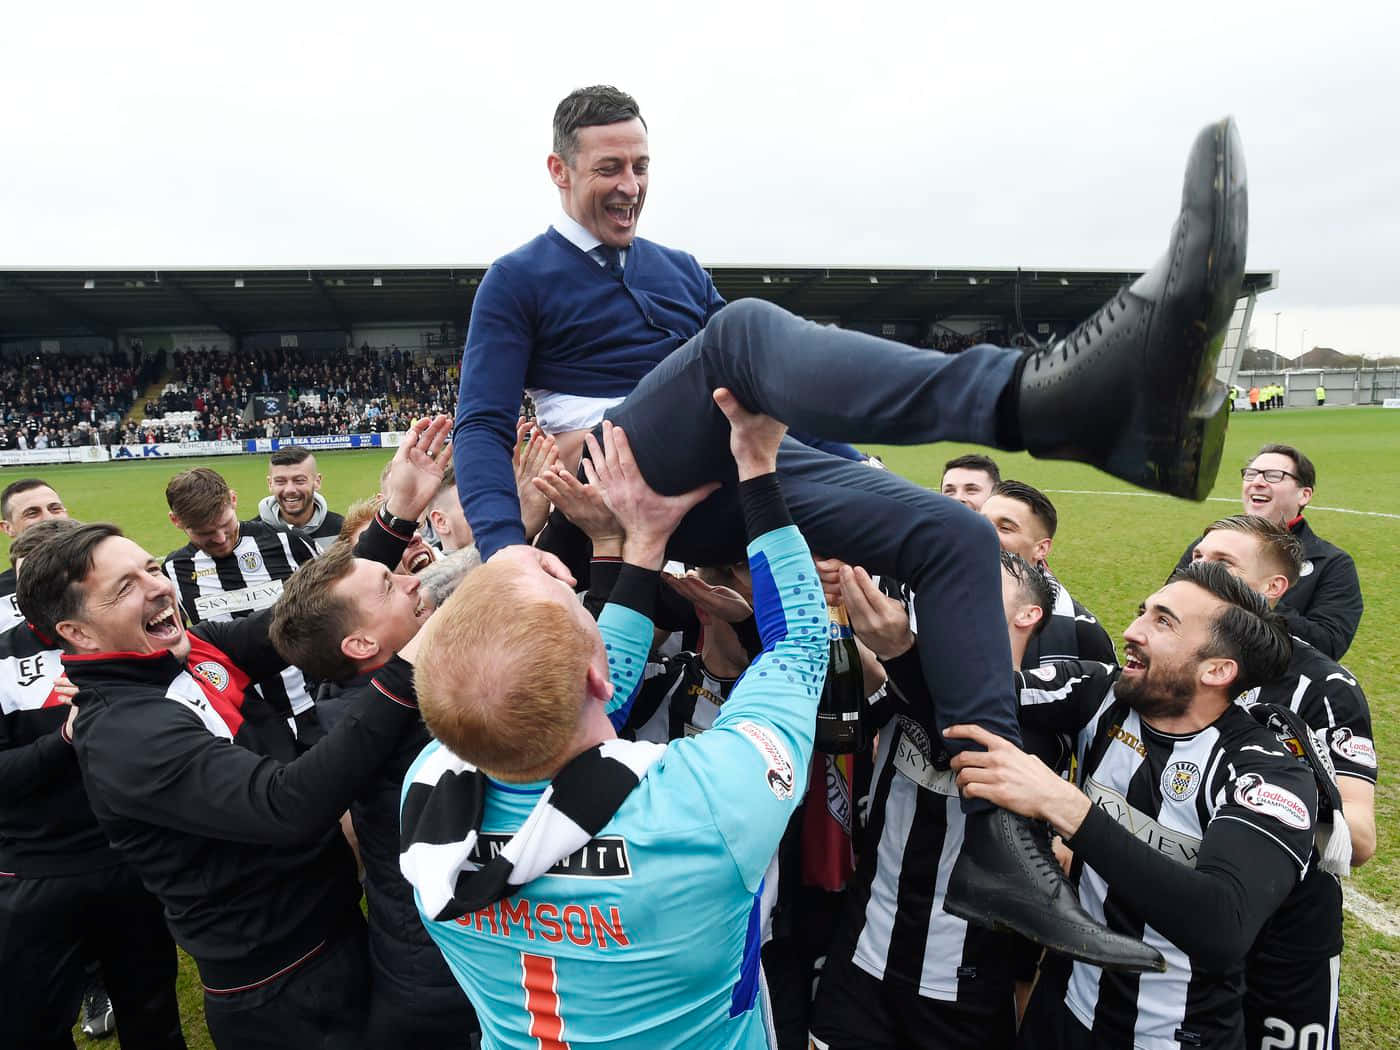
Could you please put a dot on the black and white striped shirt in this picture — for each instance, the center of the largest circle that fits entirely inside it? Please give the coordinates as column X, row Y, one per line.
column 1169, row 792
column 1308, row 926
column 46, row 821
column 895, row 928
column 1072, row 632
column 240, row 583
column 9, row 607
column 679, row 698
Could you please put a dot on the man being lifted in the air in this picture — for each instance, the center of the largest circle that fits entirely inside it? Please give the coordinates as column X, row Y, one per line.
column 592, row 318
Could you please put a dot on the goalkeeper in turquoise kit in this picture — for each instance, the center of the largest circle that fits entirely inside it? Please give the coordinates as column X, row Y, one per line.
column 584, row 889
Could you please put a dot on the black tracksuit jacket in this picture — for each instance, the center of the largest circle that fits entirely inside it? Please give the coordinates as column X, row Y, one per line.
column 195, row 781
column 1324, row 607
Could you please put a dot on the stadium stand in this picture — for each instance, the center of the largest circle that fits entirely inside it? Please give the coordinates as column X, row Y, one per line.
column 125, row 374
column 78, row 400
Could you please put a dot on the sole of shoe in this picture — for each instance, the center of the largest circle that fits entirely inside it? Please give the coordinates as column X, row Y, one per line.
column 1081, row 951
column 1184, row 436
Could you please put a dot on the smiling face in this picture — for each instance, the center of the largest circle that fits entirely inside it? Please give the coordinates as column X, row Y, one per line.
column 417, row 556
column 294, row 486
column 217, row 537
column 1018, row 529
column 388, row 610
column 1245, row 557
column 30, row 507
column 604, row 188
column 968, row 487
column 1163, row 664
column 1279, row 501
column 129, row 605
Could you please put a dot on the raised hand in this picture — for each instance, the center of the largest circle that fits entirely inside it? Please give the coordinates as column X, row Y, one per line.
column 583, row 505
column 753, row 438
column 877, row 619
column 720, row 602
column 647, row 517
column 535, row 452
column 415, row 472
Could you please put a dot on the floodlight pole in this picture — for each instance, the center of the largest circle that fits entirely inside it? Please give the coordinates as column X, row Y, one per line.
column 1276, row 313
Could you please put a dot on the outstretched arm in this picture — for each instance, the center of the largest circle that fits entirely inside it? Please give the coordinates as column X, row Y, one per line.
column 1245, row 866
column 494, row 362
column 647, row 520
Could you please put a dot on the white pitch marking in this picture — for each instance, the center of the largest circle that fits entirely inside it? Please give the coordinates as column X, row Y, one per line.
column 1218, row 499
column 1372, row 912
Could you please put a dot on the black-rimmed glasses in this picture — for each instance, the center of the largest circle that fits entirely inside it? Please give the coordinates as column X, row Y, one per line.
column 1273, row 476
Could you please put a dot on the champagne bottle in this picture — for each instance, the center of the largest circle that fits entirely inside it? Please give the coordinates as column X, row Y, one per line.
column 839, row 727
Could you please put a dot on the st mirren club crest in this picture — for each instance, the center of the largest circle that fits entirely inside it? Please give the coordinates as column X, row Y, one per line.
column 212, row 672
column 1180, row 780
column 250, row 560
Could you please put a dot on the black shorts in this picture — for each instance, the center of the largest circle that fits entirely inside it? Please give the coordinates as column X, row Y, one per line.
column 855, row 1011
column 1291, row 1004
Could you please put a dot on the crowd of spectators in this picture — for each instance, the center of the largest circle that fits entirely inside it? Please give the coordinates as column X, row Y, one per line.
column 949, row 341
column 322, row 392
column 53, row 400
column 212, row 395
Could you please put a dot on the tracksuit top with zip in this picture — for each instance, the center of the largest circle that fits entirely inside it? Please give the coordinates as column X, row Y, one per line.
column 46, row 822
column 242, row 847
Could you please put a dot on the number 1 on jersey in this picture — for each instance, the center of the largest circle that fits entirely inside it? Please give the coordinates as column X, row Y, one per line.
column 540, row 981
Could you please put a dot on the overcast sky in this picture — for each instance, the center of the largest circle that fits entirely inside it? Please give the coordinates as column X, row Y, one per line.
column 996, row 134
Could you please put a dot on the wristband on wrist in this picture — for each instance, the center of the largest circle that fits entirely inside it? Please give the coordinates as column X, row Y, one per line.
column 404, row 528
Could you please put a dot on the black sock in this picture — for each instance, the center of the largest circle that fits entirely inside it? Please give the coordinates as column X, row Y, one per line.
column 1008, row 410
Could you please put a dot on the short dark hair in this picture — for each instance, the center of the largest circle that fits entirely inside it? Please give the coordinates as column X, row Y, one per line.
column 975, row 461
column 14, row 489
column 1307, row 473
column 1032, row 497
column 49, row 589
column 1036, row 587
column 589, row 107
column 310, row 620
column 23, row 545
column 1281, row 547
column 290, row 457
column 1246, row 631
column 197, row 496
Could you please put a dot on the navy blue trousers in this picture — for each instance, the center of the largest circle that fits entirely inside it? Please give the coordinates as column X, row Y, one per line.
column 845, row 386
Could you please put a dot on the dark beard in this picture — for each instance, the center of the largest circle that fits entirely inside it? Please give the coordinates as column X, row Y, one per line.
column 1164, row 695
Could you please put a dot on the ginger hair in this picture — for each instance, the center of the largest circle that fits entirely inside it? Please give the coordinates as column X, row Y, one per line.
column 501, row 676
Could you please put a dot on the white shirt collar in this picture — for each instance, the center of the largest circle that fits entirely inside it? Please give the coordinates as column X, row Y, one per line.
column 568, row 228
column 574, row 233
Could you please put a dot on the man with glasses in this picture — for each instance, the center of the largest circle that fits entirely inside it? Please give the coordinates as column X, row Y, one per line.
column 1325, row 606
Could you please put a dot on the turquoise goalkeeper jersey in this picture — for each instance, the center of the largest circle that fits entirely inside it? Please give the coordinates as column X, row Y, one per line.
column 648, row 937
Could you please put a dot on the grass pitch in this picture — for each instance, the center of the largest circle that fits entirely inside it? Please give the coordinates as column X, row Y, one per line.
column 1116, row 544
